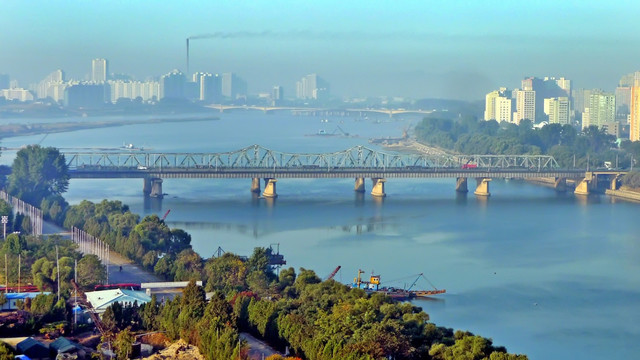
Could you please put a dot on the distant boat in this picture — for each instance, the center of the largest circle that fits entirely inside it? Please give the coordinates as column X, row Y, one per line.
column 374, row 286
column 131, row 147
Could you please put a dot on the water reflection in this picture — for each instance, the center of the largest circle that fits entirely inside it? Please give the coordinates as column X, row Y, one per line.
column 152, row 204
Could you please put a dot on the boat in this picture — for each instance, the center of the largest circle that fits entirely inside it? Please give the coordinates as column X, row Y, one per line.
column 374, row 286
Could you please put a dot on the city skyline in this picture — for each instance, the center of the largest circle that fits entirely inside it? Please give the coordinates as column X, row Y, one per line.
column 418, row 50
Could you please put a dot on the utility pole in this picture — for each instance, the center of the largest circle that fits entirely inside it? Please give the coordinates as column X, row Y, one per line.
column 19, row 263
column 75, row 304
column 6, row 275
column 58, row 267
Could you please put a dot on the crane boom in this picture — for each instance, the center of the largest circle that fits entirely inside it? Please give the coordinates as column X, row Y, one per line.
column 334, row 272
column 165, row 214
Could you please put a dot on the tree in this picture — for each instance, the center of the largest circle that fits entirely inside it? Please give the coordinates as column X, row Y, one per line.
column 37, row 173
column 90, row 271
column 123, row 344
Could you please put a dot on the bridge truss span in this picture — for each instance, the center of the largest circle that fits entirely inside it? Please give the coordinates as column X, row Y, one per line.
column 257, row 157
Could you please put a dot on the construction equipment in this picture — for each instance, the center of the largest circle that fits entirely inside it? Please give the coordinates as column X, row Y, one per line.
column 92, row 313
column 165, row 214
column 334, row 272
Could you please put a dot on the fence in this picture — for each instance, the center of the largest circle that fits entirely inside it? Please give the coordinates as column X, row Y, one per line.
column 21, row 207
column 89, row 244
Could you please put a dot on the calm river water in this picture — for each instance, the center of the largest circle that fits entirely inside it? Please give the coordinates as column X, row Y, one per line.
column 552, row 276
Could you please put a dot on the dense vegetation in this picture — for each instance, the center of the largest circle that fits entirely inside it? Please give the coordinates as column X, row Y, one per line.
column 567, row 145
column 313, row 319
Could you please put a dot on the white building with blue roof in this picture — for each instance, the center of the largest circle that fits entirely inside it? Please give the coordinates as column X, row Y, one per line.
column 101, row 300
column 13, row 298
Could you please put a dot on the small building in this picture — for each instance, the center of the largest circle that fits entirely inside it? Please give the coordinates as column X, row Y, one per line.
column 101, row 300
column 63, row 345
column 13, row 298
column 33, row 349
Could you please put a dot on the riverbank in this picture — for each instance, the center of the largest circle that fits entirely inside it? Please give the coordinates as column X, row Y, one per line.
column 413, row 146
column 626, row 194
column 13, row 130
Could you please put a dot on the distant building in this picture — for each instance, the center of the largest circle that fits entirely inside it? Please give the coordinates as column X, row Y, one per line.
column 210, row 88
column 634, row 116
column 52, row 86
column 498, row 105
column 172, row 85
column 147, row 90
column 4, row 81
column 623, row 102
column 86, row 95
column 525, row 105
column 16, row 94
column 548, row 87
column 233, row 86
column 101, row 300
column 602, row 108
column 312, row 87
column 276, row 93
column 557, row 109
column 99, row 70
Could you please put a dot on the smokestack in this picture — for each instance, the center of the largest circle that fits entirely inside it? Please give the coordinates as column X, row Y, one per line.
column 187, row 57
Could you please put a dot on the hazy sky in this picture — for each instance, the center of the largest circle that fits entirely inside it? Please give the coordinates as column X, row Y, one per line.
column 444, row 49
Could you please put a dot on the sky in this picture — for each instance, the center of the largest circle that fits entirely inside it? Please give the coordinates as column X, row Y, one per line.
column 417, row 49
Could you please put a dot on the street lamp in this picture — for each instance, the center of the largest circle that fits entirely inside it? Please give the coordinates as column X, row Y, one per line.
column 5, row 220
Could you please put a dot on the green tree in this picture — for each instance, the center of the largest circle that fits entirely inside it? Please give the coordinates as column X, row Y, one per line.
column 37, row 173
column 5, row 352
column 123, row 344
column 5, row 210
column 14, row 244
column 225, row 273
column 90, row 271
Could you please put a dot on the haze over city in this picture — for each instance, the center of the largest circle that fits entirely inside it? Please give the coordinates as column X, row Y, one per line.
column 457, row 50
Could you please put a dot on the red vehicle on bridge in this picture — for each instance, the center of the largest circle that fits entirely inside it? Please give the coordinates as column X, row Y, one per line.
column 469, row 166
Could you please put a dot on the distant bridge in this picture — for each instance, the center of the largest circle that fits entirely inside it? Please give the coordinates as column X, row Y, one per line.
column 359, row 162
column 300, row 109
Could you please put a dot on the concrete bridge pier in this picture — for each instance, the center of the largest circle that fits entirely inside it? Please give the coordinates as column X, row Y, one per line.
column 378, row 187
column 560, row 184
column 583, row 187
column 461, row 185
column 614, row 182
column 483, row 187
column 270, row 188
column 359, row 186
column 146, row 186
column 156, row 187
column 255, row 185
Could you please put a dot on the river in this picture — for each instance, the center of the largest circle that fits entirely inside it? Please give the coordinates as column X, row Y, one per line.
column 553, row 276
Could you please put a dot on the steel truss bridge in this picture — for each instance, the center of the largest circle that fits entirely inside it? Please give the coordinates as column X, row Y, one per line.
column 357, row 162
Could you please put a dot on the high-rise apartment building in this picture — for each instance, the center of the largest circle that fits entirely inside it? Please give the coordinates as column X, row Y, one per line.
column 525, row 105
column 558, row 110
column 172, row 85
column 312, row 87
column 99, row 70
column 4, row 81
column 210, row 88
column 52, row 86
column 233, row 86
column 623, row 102
column 602, row 109
column 548, row 87
column 634, row 109
column 498, row 105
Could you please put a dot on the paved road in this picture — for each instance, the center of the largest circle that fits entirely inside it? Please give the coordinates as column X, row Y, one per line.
column 258, row 349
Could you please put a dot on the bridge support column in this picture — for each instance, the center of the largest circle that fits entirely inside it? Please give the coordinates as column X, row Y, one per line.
column 614, row 182
column 255, row 185
column 156, row 187
column 582, row 187
column 560, row 184
column 461, row 185
column 483, row 187
column 146, row 186
column 378, row 187
column 270, row 188
column 359, row 186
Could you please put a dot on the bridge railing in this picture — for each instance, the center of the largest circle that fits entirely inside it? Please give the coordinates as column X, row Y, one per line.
column 20, row 207
column 256, row 156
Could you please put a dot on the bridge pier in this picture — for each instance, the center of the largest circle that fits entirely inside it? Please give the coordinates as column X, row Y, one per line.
column 156, row 188
column 255, row 185
column 583, row 187
column 614, row 182
column 378, row 187
column 146, row 186
column 270, row 188
column 483, row 187
column 359, row 186
column 560, row 184
column 461, row 185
